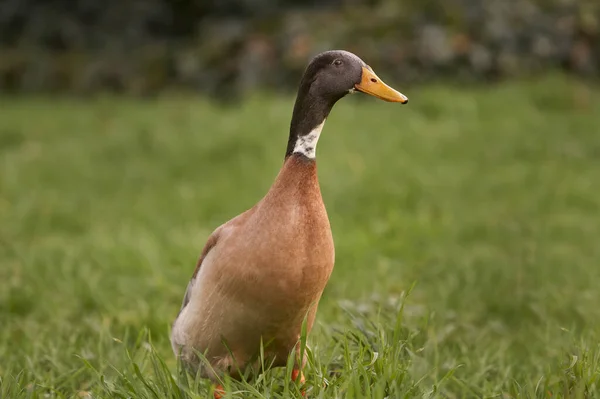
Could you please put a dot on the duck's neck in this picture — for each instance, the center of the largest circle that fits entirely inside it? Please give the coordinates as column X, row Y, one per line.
column 308, row 118
column 297, row 181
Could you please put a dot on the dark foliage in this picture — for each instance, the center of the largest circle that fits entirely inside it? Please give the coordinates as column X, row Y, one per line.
column 220, row 47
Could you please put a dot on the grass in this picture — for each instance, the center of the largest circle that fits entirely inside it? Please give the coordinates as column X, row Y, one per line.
column 486, row 200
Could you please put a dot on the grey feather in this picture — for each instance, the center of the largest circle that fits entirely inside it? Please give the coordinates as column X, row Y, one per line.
column 187, row 296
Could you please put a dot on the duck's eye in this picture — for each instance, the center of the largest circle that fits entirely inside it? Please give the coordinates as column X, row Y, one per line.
column 337, row 62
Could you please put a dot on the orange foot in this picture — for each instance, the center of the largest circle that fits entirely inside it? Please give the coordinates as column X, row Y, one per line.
column 298, row 376
column 219, row 392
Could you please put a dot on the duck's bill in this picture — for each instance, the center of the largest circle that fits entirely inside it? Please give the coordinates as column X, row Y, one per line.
column 371, row 84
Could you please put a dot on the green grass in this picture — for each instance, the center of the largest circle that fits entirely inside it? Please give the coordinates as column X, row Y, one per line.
column 486, row 199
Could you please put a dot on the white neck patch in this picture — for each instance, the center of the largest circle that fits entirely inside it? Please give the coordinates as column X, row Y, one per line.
column 307, row 144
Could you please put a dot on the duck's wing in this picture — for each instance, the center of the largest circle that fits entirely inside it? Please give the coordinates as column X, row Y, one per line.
column 213, row 240
column 187, row 296
column 210, row 244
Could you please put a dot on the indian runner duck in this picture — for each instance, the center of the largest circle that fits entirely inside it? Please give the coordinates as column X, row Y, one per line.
column 261, row 274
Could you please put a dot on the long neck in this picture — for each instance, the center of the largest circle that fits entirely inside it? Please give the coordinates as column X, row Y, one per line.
column 308, row 118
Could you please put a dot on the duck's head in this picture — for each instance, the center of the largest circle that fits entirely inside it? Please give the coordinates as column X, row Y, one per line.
column 329, row 77
column 333, row 74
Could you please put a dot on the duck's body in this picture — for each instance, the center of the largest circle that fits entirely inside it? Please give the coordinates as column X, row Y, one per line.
column 234, row 298
column 262, row 273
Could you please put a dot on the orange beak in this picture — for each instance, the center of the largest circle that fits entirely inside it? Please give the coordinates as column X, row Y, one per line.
column 371, row 84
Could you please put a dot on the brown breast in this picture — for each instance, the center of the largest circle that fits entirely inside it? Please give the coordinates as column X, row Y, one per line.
column 285, row 247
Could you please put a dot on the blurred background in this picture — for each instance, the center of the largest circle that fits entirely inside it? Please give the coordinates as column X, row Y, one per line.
column 129, row 130
column 220, row 47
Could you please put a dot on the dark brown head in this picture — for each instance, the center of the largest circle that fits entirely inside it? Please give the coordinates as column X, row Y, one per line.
column 333, row 74
column 329, row 77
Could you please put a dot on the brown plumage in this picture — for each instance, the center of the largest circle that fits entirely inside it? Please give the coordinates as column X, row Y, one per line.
column 264, row 271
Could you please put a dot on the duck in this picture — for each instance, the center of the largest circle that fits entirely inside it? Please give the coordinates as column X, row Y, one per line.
column 261, row 275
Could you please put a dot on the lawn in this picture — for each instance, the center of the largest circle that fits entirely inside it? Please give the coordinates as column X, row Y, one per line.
column 466, row 225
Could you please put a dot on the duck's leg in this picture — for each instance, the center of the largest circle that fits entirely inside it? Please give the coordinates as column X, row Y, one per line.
column 219, row 392
column 297, row 374
column 298, row 377
column 222, row 365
